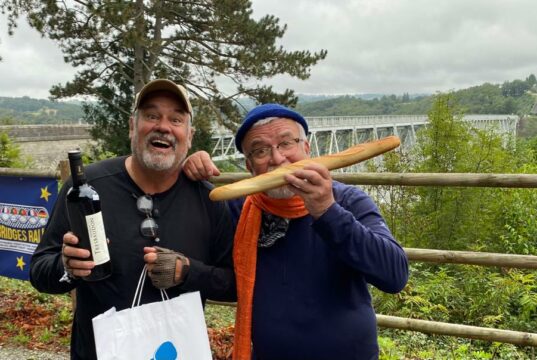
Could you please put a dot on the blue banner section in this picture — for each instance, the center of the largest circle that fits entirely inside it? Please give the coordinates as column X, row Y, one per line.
column 25, row 208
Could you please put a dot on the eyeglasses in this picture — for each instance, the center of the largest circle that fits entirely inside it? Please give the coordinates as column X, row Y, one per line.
column 285, row 148
column 148, row 227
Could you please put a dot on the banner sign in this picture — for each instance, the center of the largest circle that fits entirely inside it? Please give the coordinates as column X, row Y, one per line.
column 25, row 207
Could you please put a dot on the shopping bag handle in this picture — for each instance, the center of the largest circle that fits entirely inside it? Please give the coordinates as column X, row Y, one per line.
column 138, row 293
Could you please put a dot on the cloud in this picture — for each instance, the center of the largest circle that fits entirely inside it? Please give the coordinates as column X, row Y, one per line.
column 374, row 46
column 30, row 64
column 396, row 46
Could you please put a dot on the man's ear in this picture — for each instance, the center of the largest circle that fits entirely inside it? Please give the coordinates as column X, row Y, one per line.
column 248, row 167
column 191, row 136
column 131, row 127
column 307, row 147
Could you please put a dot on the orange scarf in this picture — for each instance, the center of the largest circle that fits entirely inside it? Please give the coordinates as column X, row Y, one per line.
column 245, row 258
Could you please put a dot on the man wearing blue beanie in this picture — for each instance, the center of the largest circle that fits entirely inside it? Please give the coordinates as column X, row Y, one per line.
column 304, row 253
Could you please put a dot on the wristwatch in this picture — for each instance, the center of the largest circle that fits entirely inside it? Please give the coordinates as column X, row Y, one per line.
column 185, row 267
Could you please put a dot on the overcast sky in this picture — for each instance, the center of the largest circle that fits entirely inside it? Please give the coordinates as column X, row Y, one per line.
column 374, row 46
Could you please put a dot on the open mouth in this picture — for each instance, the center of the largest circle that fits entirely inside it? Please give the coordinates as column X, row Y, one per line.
column 161, row 143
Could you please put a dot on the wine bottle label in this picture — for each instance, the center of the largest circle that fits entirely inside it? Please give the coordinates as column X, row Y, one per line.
column 97, row 238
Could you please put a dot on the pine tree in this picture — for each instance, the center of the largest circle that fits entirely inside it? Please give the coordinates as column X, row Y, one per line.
column 9, row 152
column 118, row 46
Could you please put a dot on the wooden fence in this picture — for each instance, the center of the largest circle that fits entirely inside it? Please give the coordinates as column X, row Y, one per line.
column 422, row 255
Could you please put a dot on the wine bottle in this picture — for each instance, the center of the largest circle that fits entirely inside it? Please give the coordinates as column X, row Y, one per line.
column 85, row 218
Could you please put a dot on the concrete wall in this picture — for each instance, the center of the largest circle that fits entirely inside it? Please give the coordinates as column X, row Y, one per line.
column 46, row 145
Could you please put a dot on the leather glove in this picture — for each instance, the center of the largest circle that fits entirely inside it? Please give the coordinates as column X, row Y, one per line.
column 163, row 273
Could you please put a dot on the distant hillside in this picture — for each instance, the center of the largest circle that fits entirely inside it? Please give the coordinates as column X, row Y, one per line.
column 26, row 110
column 303, row 99
column 308, row 98
column 511, row 97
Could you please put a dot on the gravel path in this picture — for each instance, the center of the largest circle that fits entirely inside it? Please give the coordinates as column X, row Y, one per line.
column 10, row 353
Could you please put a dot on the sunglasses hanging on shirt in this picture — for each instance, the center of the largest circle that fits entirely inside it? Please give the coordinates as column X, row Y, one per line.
column 148, row 227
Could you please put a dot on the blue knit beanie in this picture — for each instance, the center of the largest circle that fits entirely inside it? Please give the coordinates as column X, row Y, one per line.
column 266, row 111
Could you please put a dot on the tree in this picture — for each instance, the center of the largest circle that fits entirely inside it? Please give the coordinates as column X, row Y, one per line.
column 123, row 44
column 515, row 88
column 531, row 80
column 9, row 152
column 7, row 120
column 456, row 218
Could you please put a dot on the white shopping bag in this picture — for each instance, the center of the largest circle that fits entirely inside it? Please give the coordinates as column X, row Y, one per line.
column 172, row 329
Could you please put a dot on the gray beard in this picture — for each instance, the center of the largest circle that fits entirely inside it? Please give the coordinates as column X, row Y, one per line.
column 157, row 162
column 152, row 161
column 281, row 192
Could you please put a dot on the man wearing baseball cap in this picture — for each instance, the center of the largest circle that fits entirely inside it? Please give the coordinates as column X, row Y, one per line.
column 304, row 253
column 153, row 214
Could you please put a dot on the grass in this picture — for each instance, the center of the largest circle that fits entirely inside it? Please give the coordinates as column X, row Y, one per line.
column 219, row 316
column 33, row 320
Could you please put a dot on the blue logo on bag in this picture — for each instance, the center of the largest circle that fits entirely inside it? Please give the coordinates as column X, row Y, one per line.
column 166, row 351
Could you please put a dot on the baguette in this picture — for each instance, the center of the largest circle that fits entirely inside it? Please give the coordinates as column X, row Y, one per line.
column 275, row 178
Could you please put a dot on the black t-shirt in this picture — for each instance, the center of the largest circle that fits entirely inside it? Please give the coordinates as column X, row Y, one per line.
column 189, row 222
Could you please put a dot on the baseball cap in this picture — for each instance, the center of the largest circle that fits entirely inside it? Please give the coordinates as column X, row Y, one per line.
column 162, row 85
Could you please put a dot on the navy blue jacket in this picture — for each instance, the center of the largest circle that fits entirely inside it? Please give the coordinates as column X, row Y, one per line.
column 311, row 298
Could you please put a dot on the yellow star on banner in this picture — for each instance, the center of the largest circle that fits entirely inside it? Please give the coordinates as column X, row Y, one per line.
column 20, row 262
column 44, row 193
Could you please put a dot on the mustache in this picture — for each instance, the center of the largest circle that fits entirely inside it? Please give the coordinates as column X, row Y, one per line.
column 157, row 135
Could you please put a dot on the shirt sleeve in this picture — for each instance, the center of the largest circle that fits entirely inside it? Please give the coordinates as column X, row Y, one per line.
column 46, row 267
column 355, row 229
column 216, row 280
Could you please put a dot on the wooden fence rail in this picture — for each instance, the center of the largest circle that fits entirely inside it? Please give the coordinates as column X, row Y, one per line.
column 417, row 179
column 470, row 332
column 472, row 258
column 405, row 179
column 423, row 255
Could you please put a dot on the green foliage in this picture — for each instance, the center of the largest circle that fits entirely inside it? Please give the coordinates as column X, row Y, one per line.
column 96, row 153
column 468, row 295
column 455, row 218
column 397, row 344
column 219, row 316
column 516, row 88
column 109, row 118
column 482, row 99
column 351, row 105
column 7, row 120
column 516, row 213
column 21, row 338
column 203, row 132
column 10, row 154
column 519, row 219
column 479, row 219
column 388, row 349
column 528, row 126
column 395, row 202
column 26, row 110
column 46, row 335
column 492, row 99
